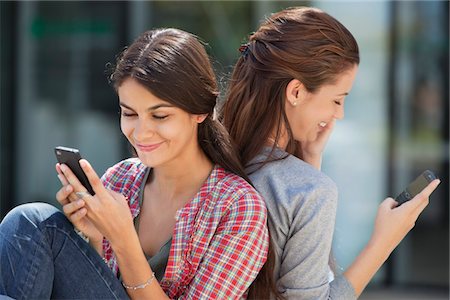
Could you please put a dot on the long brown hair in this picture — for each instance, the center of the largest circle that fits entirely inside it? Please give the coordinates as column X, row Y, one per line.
column 174, row 66
column 297, row 43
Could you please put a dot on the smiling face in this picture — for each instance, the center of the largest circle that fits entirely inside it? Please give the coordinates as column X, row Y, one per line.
column 159, row 131
column 308, row 113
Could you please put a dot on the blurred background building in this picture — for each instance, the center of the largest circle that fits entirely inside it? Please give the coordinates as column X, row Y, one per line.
column 54, row 60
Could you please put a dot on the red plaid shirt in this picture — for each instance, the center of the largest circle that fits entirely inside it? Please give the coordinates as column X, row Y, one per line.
column 220, row 240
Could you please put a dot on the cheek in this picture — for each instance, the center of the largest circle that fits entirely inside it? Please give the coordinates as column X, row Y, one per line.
column 126, row 127
column 167, row 130
column 177, row 131
column 302, row 125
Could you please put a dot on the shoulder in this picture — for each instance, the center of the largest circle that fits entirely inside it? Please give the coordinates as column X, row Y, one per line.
column 293, row 173
column 233, row 192
column 291, row 185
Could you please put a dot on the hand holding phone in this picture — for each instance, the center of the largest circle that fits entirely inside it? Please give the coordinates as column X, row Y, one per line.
column 416, row 186
column 71, row 158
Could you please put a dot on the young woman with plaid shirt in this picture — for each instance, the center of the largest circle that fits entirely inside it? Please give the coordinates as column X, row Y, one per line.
column 174, row 222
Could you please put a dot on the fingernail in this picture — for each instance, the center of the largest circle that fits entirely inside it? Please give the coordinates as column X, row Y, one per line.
column 80, row 202
column 68, row 188
column 63, row 168
column 82, row 163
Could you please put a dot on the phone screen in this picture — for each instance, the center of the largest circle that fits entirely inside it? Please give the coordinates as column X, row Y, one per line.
column 71, row 157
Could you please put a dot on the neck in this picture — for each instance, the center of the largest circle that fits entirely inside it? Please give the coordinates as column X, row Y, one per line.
column 179, row 180
column 282, row 138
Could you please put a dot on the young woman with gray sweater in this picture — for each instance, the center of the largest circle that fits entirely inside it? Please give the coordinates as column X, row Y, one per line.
column 286, row 91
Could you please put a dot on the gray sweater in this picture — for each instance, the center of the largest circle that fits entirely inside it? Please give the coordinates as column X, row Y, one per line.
column 301, row 203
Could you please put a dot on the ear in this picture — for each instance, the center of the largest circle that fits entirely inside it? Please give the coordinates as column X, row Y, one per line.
column 295, row 92
column 200, row 118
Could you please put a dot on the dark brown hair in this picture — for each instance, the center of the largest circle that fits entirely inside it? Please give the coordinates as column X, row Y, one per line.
column 174, row 66
column 297, row 43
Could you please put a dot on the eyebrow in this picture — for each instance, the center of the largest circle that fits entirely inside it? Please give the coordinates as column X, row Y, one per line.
column 154, row 107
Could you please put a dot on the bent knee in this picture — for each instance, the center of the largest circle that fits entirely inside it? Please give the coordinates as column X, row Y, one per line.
column 33, row 213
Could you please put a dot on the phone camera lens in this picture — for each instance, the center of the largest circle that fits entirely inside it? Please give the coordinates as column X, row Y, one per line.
column 407, row 195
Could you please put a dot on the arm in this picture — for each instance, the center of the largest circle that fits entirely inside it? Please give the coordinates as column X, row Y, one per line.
column 134, row 267
column 391, row 226
column 110, row 214
column 235, row 254
column 304, row 262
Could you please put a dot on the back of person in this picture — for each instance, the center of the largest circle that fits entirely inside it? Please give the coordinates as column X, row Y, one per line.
column 301, row 203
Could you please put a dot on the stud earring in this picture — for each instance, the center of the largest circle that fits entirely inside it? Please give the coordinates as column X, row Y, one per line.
column 294, row 103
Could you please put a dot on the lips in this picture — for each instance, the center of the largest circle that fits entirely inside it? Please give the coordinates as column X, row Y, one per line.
column 148, row 147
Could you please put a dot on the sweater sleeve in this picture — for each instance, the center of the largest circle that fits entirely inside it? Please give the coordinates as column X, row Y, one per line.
column 304, row 265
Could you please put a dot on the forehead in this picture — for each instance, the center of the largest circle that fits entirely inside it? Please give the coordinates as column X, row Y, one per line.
column 133, row 92
column 342, row 85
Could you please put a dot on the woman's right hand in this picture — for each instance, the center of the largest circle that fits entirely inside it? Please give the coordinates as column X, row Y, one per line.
column 393, row 222
column 75, row 210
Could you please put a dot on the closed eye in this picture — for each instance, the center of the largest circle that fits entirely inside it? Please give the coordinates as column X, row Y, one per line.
column 338, row 102
column 160, row 117
column 127, row 114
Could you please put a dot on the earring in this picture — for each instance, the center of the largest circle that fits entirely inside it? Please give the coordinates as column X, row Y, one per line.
column 294, row 103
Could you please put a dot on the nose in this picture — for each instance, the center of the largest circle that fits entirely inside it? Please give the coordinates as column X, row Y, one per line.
column 339, row 113
column 143, row 130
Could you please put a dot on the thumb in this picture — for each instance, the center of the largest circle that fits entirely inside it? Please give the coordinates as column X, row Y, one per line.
column 389, row 203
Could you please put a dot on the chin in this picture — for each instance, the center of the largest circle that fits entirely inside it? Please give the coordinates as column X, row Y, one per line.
column 149, row 160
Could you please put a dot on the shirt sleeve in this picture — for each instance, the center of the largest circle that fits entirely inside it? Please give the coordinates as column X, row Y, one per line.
column 235, row 254
column 304, row 271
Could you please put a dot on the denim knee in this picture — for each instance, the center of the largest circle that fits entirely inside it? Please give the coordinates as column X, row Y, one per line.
column 31, row 213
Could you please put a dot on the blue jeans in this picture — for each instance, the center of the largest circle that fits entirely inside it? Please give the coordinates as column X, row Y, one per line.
column 42, row 257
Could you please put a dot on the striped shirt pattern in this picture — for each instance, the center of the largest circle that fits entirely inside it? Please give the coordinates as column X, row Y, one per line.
column 220, row 240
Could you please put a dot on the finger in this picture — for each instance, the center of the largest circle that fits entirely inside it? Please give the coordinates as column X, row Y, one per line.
column 92, row 176
column 422, row 198
column 78, row 215
column 66, row 195
column 325, row 134
column 72, row 207
column 71, row 178
column 62, row 196
column 61, row 176
column 63, row 179
column 426, row 192
column 331, row 124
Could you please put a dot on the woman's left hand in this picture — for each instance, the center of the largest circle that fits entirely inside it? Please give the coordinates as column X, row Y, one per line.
column 107, row 210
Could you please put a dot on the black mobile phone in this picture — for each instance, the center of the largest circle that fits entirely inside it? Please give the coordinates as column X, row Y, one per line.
column 416, row 186
column 71, row 158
